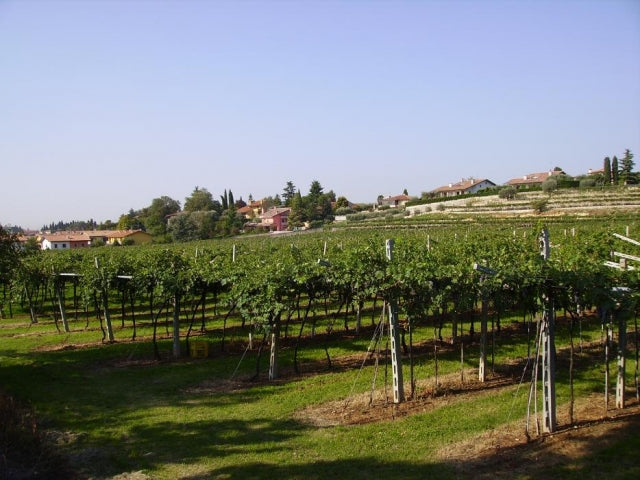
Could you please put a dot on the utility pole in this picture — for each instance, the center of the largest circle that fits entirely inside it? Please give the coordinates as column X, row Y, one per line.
column 548, row 348
column 396, row 359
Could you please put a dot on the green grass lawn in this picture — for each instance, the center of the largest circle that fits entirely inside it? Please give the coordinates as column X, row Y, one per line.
column 113, row 408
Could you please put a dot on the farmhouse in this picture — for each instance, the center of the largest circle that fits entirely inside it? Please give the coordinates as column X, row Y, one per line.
column 67, row 240
column 64, row 241
column 533, row 179
column 133, row 237
column 464, row 186
column 396, row 201
column 276, row 219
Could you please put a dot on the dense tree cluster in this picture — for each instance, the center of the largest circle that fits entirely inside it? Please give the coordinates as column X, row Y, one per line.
column 620, row 172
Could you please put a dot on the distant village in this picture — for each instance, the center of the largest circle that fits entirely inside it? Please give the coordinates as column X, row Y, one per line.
column 263, row 216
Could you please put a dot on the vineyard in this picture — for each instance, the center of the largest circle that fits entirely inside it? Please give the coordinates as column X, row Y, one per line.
column 283, row 343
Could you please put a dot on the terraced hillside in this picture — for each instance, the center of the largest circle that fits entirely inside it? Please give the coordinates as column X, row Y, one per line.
column 591, row 201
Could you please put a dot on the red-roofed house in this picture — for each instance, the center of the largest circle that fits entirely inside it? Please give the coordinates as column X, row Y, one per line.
column 465, row 186
column 276, row 218
column 396, row 201
column 532, row 179
column 64, row 241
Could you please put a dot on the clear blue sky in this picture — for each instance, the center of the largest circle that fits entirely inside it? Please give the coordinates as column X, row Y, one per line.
column 106, row 105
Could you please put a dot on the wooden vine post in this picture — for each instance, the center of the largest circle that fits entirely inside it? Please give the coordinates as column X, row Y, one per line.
column 396, row 359
column 548, row 349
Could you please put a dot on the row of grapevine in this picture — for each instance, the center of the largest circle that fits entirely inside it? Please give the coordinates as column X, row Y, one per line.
column 269, row 282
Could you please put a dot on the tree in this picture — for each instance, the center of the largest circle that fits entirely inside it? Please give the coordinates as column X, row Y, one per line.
column 315, row 190
column 298, row 215
column 405, row 192
column 626, row 168
column 129, row 221
column 342, row 202
column 201, row 200
column 182, row 227
column 9, row 259
column 607, row 171
column 156, row 215
column 288, row 193
column 615, row 171
column 549, row 185
column 540, row 205
column 230, row 222
column 508, row 193
column 225, row 200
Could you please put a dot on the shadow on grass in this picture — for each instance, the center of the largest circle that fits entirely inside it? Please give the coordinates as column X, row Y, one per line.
column 569, row 454
column 369, row 467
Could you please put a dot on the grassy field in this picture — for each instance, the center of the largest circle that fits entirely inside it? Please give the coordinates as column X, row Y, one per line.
column 112, row 410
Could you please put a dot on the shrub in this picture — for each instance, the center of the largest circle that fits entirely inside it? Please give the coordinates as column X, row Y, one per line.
column 587, row 182
column 344, row 211
column 540, row 205
column 549, row 185
column 508, row 193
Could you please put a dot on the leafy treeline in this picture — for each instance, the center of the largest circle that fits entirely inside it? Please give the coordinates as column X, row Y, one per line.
column 270, row 284
column 203, row 216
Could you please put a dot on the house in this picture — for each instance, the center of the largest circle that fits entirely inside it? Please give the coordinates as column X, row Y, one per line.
column 396, row 201
column 133, row 237
column 64, row 241
column 533, row 179
column 276, row 219
column 247, row 212
column 99, row 236
column 463, row 187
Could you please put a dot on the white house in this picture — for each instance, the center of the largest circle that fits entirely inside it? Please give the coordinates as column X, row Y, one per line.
column 64, row 241
column 464, row 186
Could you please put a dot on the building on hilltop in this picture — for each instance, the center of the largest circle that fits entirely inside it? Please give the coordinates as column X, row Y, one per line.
column 533, row 179
column 463, row 187
column 395, row 201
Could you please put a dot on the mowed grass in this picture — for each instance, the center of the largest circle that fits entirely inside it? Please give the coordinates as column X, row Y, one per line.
column 114, row 409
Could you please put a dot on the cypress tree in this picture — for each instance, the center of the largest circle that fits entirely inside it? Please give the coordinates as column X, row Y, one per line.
column 615, row 171
column 607, row 171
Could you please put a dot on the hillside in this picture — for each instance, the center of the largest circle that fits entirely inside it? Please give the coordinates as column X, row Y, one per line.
column 566, row 201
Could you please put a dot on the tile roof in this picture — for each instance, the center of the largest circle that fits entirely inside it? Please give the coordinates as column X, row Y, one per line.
column 66, row 237
column 272, row 212
column 397, row 198
column 464, row 184
column 124, row 233
column 533, row 178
